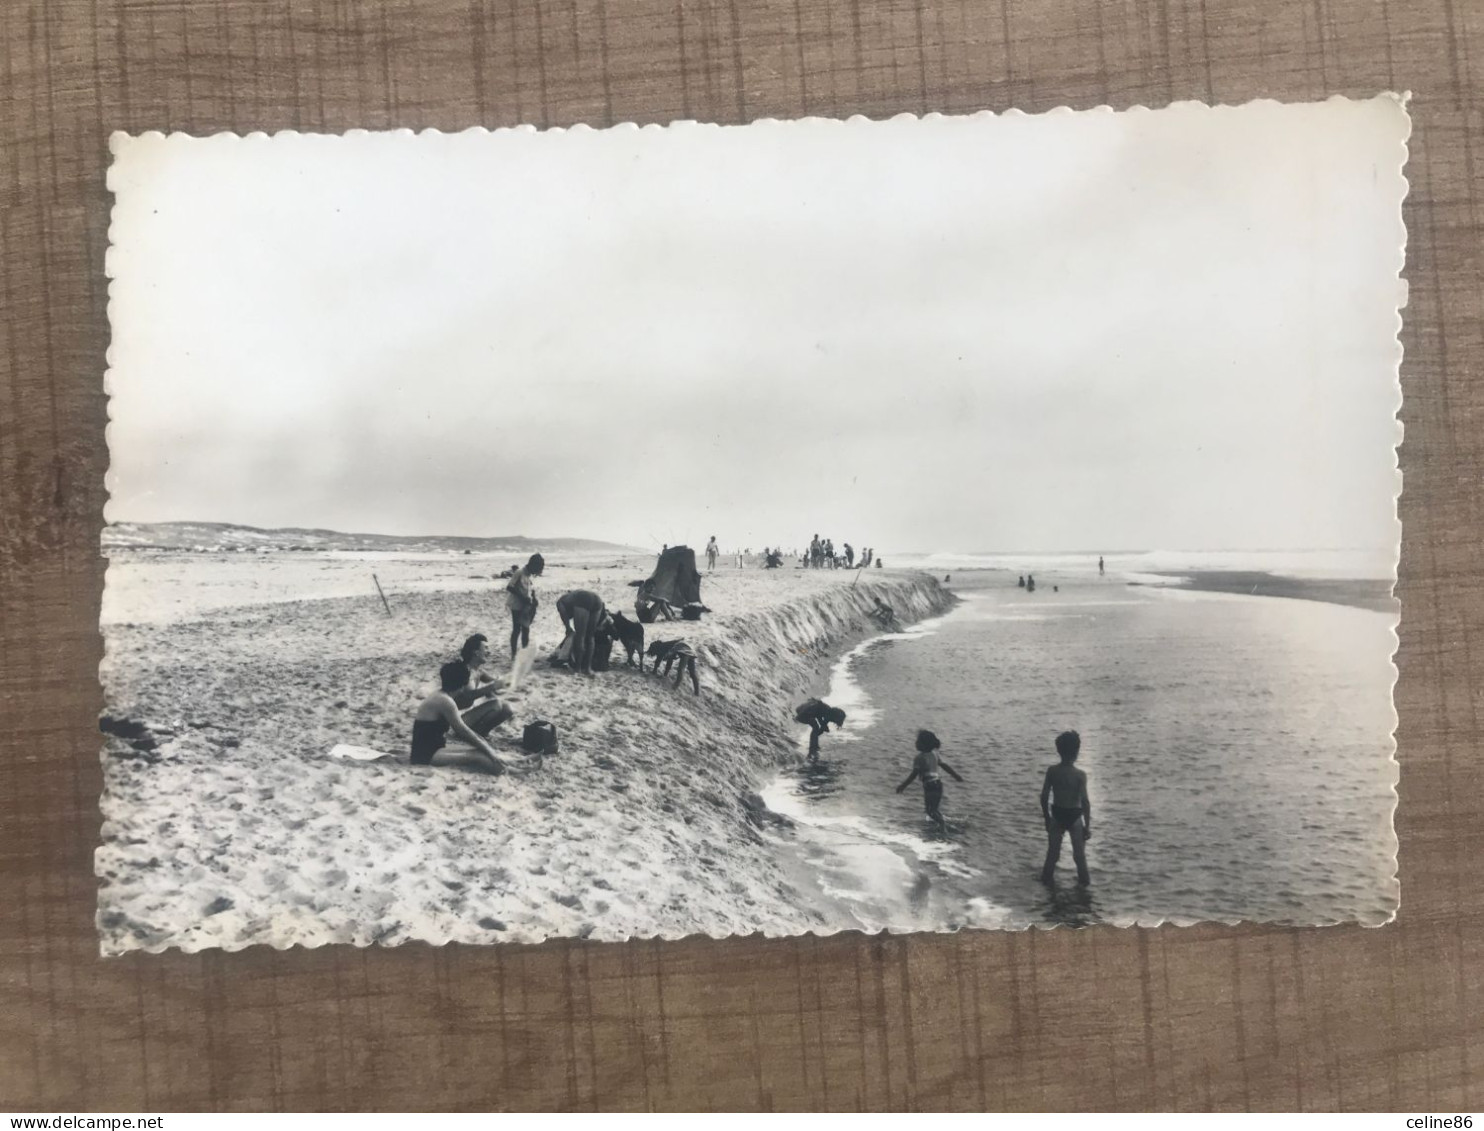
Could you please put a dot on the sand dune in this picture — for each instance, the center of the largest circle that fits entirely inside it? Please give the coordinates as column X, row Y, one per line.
column 239, row 829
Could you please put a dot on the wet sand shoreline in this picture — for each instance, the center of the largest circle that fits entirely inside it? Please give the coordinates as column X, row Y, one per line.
column 1360, row 593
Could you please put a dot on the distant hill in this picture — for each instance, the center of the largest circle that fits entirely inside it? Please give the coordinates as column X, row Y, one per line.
column 224, row 537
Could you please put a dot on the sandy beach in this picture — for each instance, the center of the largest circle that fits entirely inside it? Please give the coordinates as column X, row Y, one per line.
column 239, row 828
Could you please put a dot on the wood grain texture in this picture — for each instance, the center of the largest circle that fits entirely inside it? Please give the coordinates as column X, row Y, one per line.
column 1255, row 1018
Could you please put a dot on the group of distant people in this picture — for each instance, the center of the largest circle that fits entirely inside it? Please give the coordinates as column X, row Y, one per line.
column 1028, row 580
column 822, row 555
column 1066, row 807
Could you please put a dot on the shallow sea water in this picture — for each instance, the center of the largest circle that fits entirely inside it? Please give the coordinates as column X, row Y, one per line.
column 1238, row 749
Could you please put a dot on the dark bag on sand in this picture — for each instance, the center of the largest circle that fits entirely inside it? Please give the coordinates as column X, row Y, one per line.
column 539, row 737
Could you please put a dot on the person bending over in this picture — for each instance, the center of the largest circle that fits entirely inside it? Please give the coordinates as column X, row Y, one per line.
column 671, row 652
column 581, row 611
column 439, row 713
column 1066, row 808
column 818, row 715
column 926, row 766
column 520, row 599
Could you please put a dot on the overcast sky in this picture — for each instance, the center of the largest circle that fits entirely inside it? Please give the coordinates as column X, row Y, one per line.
column 1171, row 329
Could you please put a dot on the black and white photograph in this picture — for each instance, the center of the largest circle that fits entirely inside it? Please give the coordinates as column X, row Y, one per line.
column 922, row 524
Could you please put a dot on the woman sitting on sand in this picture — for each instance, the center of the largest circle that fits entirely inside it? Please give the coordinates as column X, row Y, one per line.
column 520, row 599
column 483, row 717
column 581, row 611
column 439, row 713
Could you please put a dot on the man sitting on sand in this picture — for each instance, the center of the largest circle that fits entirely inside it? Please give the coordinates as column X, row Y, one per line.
column 439, row 713
column 926, row 766
column 520, row 599
column 818, row 715
column 1069, row 809
column 649, row 608
column 486, row 716
column 581, row 611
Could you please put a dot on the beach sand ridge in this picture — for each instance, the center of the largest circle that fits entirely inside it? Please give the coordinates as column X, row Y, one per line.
column 240, row 829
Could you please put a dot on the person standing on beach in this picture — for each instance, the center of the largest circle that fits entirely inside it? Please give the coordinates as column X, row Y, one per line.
column 711, row 552
column 926, row 766
column 581, row 611
column 1100, row 565
column 1066, row 808
column 439, row 713
column 520, row 599
column 486, row 716
column 818, row 715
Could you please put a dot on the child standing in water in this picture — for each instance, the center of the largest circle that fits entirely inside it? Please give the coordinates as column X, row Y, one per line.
column 1066, row 808
column 926, row 766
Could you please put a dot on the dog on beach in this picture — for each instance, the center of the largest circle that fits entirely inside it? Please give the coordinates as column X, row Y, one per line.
column 670, row 652
column 630, row 634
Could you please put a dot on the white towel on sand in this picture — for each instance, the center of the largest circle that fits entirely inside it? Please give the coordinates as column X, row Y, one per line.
column 357, row 753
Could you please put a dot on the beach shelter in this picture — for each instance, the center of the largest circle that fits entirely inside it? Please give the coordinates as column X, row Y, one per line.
column 675, row 578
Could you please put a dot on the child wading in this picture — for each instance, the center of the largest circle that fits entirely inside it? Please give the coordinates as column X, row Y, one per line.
column 926, row 766
column 817, row 715
column 1066, row 808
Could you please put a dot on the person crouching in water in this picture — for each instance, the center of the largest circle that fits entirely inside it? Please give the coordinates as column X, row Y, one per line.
column 1069, row 810
column 581, row 611
column 818, row 715
column 439, row 713
column 480, row 717
column 520, row 599
column 926, row 766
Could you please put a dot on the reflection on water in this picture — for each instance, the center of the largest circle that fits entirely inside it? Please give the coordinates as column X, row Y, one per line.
column 1069, row 905
column 820, row 780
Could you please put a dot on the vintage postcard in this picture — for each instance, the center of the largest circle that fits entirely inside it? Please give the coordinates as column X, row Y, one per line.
column 903, row 525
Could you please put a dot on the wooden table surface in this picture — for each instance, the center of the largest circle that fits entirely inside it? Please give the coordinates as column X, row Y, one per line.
column 1210, row 1017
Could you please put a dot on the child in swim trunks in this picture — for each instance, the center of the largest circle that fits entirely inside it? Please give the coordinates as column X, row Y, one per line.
column 926, row 766
column 1066, row 808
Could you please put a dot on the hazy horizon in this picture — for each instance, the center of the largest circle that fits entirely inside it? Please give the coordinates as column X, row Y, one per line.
column 1166, row 328
column 787, row 547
